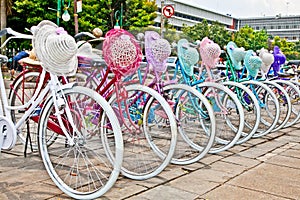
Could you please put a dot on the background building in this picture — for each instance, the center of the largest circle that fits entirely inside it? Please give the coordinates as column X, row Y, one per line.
column 191, row 14
column 287, row 27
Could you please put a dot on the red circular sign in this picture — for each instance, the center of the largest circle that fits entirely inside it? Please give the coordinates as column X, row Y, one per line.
column 168, row 11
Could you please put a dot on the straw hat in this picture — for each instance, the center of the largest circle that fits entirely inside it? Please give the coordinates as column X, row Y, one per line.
column 157, row 50
column 252, row 63
column 55, row 48
column 236, row 55
column 188, row 57
column 210, row 52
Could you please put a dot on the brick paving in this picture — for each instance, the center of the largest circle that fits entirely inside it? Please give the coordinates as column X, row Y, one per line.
column 262, row 168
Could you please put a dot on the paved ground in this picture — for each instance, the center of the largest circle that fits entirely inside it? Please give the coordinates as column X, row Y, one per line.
column 263, row 168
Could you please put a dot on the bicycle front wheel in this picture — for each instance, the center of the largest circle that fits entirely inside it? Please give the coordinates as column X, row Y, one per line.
column 251, row 109
column 229, row 115
column 80, row 167
column 195, row 120
column 149, row 131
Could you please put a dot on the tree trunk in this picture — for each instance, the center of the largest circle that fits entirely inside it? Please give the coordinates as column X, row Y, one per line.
column 3, row 17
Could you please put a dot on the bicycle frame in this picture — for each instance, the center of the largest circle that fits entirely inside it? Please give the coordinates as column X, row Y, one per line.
column 40, row 93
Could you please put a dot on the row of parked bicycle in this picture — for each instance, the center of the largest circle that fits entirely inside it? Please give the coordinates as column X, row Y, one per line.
column 94, row 114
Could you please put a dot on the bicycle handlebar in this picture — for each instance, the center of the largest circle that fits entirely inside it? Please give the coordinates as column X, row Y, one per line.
column 14, row 34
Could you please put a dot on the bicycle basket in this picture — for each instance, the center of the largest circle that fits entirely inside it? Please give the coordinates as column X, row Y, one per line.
column 121, row 52
column 209, row 52
column 157, row 50
column 188, row 56
column 55, row 48
column 236, row 55
column 252, row 63
column 267, row 59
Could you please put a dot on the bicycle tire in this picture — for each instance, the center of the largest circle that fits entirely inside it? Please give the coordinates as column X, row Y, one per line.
column 81, row 170
column 19, row 94
column 195, row 120
column 251, row 109
column 269, row 112
column 146, row 153
column 284, row 104
column 294, row 94
column 229, row 124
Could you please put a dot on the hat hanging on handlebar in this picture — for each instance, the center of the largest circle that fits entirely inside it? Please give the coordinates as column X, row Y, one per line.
column 210, row 52
column 55, row 48
column 121, row 52
column 188, row 56
column 252, row 63
column 157, row 50
column 236, row 55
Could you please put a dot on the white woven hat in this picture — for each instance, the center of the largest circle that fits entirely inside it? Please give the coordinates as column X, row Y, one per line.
column 55, row 49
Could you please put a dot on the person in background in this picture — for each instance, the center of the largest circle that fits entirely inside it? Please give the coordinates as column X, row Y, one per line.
column 15, row 65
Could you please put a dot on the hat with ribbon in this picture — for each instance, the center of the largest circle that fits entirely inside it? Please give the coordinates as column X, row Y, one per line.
column 236, row 55
column 157, row 50
column 188, row 56
column 210, row 52
column 55, row 48
column 252, row 63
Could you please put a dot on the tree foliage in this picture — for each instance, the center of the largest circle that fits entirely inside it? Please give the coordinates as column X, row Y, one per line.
column 95, row 13
column 215, row 32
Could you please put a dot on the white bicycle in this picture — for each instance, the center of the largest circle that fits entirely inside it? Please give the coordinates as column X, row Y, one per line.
column 69, row 132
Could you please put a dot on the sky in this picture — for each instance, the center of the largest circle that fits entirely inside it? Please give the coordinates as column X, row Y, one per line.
column 250, row 8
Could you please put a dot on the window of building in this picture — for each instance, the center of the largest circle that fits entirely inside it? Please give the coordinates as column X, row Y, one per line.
column 279, row 27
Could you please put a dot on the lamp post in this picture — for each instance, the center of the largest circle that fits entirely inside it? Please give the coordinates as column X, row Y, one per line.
column 65, row 16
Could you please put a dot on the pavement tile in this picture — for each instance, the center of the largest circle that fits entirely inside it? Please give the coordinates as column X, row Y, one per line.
column 194, row 183
column 232, row 192
column 285, row 161
column 254, row 141
column 34, row 191
column 291, row 153
column 165, row 192
column 14, row 179
column 120, row 191
column 289, row 138
column 210, row 158
column 228, row 168
column 240, row 160
column 237, row 148
column 272, row 179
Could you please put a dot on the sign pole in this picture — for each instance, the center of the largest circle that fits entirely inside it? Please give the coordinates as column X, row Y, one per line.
column 162, row 18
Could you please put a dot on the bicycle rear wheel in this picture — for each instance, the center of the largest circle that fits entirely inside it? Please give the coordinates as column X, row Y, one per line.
column 149, row 132
column 80, row 168
column 21, row 92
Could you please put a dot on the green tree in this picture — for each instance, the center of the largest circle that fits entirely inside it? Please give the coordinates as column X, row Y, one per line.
column 140, row 13
column 215, row 32
column 96, row 13
column 249, row 39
